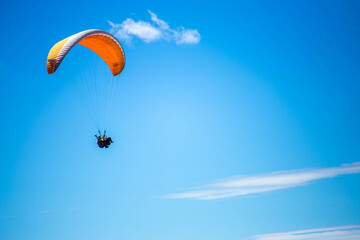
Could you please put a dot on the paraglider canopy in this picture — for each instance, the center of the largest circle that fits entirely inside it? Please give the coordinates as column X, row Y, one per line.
column 102, row 43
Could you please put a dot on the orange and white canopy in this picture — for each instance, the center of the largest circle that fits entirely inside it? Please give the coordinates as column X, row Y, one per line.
column 102, row 43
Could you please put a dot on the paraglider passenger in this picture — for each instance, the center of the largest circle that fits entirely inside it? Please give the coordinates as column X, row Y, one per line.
column 107, row 142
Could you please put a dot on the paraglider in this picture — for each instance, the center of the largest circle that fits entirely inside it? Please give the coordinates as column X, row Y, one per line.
column 103, row 141
column 107, row 47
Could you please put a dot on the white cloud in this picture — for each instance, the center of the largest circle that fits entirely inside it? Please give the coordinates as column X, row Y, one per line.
column 152, row 31
column 162, row 24
column 245, row 185
column 188, row 36
column 349, row 232
column 47, row 211
column 129, row 28
column 74, row 208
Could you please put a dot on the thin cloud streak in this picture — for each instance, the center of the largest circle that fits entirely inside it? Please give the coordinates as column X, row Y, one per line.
column 246, row 185
column 153, row 31
column 75, row 208
column 348, row 232
column 47, row 211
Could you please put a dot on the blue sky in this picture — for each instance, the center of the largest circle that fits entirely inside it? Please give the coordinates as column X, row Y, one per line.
column 231, row 120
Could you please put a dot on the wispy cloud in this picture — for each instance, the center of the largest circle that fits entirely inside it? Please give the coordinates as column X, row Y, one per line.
column 348, row 232
column 152, row 31
column 74, row 208
column 47, row 211
column 245, row 185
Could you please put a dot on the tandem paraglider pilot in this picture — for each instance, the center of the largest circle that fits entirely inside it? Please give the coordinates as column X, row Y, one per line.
column 103, row 141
